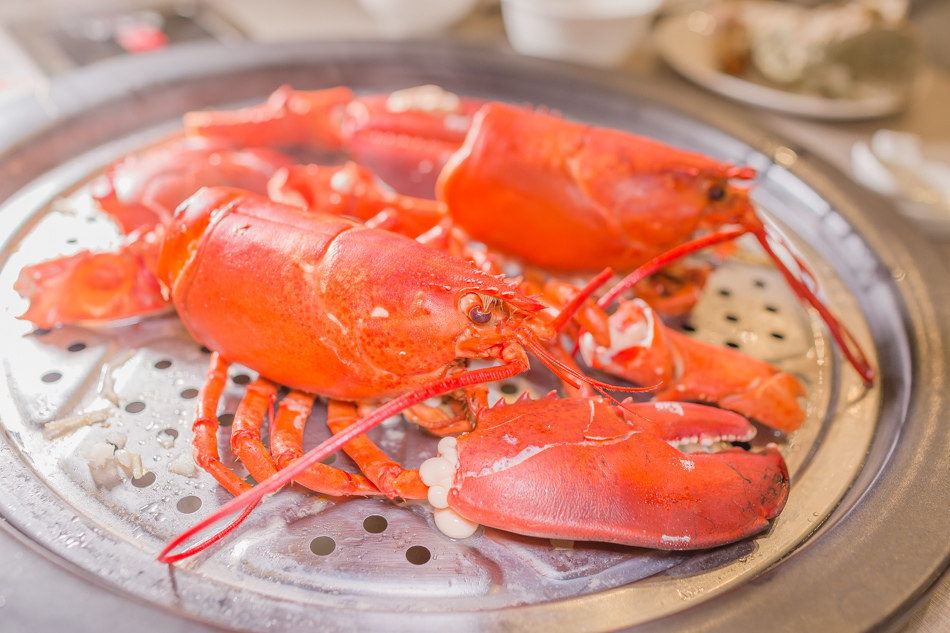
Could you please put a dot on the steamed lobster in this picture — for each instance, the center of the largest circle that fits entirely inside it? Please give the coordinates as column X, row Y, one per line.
column 213, row 248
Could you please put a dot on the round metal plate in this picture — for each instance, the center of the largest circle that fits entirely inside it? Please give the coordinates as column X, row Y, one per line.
column 303, row 559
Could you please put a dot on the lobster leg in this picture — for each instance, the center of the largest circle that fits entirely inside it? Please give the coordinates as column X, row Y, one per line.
column 286, row 445
column 391, row 478
column 435, row 420
column 205, row 428
column 246, row 429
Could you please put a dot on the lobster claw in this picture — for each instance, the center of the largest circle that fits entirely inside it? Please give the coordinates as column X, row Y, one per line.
column 583, row 469
column 646, row 352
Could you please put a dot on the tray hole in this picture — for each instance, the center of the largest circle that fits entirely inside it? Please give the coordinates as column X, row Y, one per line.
column 163, row 364
column 688, row 328
column 189, row 504
column 241, row 379
column 733, row 318
column 250, row 481
column 144, row 481
column 759, row 283
column 771, row 308
column 41, row 331
column 71, row 240
column 226, row 419
column 375, row 524
column 189, row 394
column 418, row 555
column 723, row 292
column 509, row 388
column 77, row 347
column 778, row 336
column 52, row 376
column 329, row 460
column 205, row 350
column 732, row 344
column 322, row 545
column 135, row 407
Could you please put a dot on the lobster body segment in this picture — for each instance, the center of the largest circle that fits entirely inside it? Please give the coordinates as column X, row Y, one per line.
column 321, row 303
column 582, row 469
column 589, row 197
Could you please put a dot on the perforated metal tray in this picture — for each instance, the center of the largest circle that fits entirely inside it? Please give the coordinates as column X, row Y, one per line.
column 304, row 560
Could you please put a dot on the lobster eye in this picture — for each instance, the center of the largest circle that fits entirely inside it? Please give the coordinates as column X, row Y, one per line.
column 716, row 193
column 479, row 317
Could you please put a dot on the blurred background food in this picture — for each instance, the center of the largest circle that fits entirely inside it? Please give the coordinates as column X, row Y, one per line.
column 835, row 49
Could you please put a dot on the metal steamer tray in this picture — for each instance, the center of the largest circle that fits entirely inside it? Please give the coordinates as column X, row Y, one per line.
column 857, row 546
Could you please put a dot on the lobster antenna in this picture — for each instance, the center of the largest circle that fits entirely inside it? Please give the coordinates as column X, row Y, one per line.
column 842, row 336
column 333, row 444
column 214, row 538
column 846, row 341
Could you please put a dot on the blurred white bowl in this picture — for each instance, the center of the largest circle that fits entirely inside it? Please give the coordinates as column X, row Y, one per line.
column 401, row 19
column 593, row 32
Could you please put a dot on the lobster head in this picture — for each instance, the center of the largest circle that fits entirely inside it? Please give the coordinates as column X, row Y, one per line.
column 429, row 312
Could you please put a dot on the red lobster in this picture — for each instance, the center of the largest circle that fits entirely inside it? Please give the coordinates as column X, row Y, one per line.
column 326, row 306
column 220, row 227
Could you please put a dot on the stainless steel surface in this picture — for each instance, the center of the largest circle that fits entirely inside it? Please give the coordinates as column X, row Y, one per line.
column 267, row 577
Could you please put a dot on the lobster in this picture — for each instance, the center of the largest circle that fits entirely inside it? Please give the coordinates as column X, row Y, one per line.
column 235, row 246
